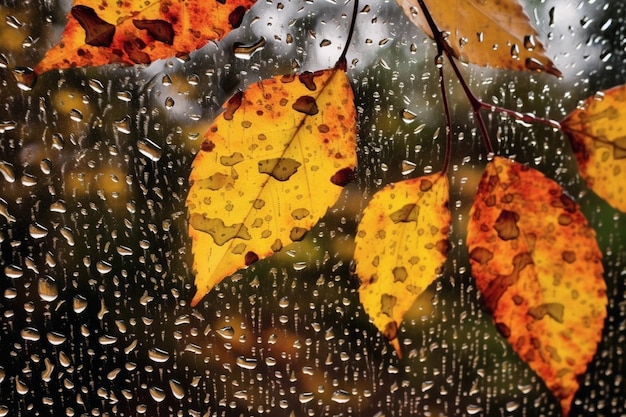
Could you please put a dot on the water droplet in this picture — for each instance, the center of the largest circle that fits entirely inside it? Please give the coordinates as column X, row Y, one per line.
column 177, row 389
column 13, row 271
column 158, row 355
column 227, row 333
column 246, row 51
column 55, row 339
column 169, row 103
column 511, row 406
column 30, row 334
column 28, row 180
column 7, row 171
column 76, row 115
column 340, row 396
column 103, row 267
column 79, row 304
column 408, row 116
column 408, row 167
column 305, row 397
column 48, row 290
column 37, row 231
column 25, row 78
column 124, row 125
column 246, row 363
column 96, row 85
column 157, row 394
column 20, row 387
column 149, row 149
column 473, row 409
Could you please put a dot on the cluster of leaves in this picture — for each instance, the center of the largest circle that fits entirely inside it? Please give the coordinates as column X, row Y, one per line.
column 280, row 153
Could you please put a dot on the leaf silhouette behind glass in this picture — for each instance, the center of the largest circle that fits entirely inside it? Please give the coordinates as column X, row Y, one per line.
column 270, row 166
column 401, row 245
column 538, row 267
column 140, row 31
column 494, row 33
column 597, row 132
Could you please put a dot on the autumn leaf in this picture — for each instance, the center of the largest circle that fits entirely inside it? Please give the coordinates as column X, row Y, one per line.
column 270, row 166
column 597, row 132
column 140, row 31
column 401, row 245
column 495, row 33
column 538, row 267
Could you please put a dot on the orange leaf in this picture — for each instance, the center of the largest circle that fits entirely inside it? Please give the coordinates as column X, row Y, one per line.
column 139, row 31
column 597, row 132
column 269, row 168
column 538, row 267
column 401, row 245
column 495, row 33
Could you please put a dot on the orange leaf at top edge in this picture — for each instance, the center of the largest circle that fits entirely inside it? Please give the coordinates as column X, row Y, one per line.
column 494, row 33
column 538, row 267
column 140, row 31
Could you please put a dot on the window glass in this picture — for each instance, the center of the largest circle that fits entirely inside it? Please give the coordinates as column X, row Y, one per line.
column 96, row 257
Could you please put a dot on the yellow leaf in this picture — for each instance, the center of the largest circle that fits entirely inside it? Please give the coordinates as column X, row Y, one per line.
column 401, row 244
column 538, row 267
column 495, row 33
column 597, row 132
column 269, row 168
column 139, row 31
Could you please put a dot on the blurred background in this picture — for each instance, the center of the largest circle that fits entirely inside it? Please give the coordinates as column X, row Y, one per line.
column 96, row 279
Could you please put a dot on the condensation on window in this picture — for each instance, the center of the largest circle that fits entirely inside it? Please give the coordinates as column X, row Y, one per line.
column 96, row 277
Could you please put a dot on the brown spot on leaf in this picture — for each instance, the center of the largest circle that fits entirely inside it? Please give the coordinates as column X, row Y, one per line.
column 277, row 245
column 506, row 225
column 236, row 17
column 258, row 204
column 135, row 53
column 554, row 310
column 323, row 128
column 426, row 185
column 569, row 256
column 399, row 274
column 565, row 219
column 406, row 214
column 98, row 32
column 297, row 233
column 288, row 78
column 342, row 177
column 391, row 330
column 387, row 303
column 300, row 213
column 161, row 30
column 218, row 180
column 218, row 230
column 307, row 78
column 306, row 105
column 232, row 105
column 443, row 246
column 501, row 283
column 207, row 145
column 250, row 258
column 231, row 160
column 279, row 168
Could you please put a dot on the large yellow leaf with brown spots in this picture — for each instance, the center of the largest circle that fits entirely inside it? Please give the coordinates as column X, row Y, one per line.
column 538, row 267
column 401, row 245
column 494, row 33
column 270, row 166
column 140, row 31
column 597, row 132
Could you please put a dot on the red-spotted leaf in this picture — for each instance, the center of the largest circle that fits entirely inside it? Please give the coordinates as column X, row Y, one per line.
column 597, row 132
column 538, row 267
column 401, row 245
column 140, row 31
column 270, row 166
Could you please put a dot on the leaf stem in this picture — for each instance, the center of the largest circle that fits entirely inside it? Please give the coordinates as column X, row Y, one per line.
column 341, row 62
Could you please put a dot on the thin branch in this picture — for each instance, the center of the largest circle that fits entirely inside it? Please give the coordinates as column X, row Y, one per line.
column 355, row 11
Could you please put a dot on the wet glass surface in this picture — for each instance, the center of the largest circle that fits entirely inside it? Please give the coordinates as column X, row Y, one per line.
column 96, row 277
